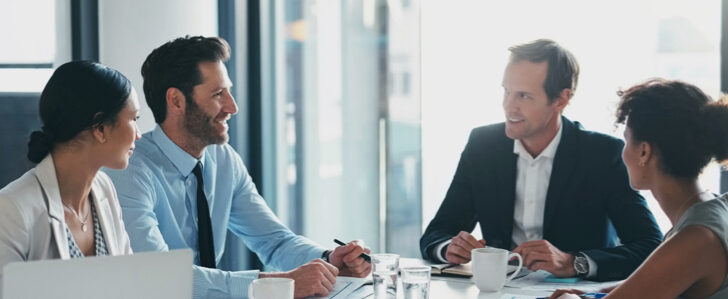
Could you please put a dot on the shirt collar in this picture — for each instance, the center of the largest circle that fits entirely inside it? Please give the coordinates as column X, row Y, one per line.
column 548, row 152
column 183, row 161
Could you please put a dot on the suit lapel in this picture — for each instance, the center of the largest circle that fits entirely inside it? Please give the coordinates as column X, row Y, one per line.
column 508, row 189
column 506, row 192
column 564, row 164
column 45, row 173
column 101, row 203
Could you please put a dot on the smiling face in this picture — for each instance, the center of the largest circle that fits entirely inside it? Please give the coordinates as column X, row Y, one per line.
column 211, row 106
column 530, row 116
column 121, row 135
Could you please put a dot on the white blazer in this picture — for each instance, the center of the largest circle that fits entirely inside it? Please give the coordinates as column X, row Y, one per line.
column 32, row 223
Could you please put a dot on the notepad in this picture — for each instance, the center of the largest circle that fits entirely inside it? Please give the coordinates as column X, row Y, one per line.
column 464, row 270
column 343, row 287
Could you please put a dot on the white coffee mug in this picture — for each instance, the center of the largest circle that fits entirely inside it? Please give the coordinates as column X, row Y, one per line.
column 271, row 288
column 490, row 266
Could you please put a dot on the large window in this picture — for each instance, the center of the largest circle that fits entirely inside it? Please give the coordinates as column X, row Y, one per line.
column 617, row 43
column 34, row 36
column 347, row 121
column 29, row 31
column 370, row 102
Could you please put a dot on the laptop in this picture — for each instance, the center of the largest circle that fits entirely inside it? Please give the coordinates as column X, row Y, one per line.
column 142, row 275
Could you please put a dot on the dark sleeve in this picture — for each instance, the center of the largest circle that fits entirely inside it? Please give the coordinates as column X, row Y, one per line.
column 634, row 223
column 456, row 213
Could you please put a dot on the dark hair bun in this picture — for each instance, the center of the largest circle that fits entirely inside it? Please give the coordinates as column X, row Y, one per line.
column 78, row 96
column 39, row 146
column 715, row 116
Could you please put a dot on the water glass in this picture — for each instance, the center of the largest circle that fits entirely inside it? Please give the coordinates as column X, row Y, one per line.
column 416, row 282
column 384, row 274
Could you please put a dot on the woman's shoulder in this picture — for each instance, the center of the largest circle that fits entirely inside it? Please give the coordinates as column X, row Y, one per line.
column 22, row 197
column 712, row 213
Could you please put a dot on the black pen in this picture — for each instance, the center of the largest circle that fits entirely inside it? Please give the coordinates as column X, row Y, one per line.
column 362, row 255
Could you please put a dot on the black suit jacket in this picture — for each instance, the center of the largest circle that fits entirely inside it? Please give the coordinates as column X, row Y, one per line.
column 590, row 206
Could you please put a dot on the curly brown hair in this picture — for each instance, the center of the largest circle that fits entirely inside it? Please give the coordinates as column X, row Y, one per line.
column 684, row 125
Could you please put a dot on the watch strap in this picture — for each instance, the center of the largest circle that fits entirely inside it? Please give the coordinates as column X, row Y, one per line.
column 325, row 255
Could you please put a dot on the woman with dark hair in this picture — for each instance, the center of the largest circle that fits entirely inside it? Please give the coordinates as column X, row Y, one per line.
column 673, row 130
column 65, row 207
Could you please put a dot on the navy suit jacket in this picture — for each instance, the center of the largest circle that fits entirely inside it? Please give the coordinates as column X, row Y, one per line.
column 590, row 206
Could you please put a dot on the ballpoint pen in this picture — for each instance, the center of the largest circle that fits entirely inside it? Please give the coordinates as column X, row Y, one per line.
column 362, row 255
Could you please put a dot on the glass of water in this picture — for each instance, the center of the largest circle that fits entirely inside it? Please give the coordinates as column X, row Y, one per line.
column 416, row 282
column 384, row 274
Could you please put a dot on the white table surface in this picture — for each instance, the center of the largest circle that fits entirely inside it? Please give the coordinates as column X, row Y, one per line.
column 452, row 287
column 456, row 288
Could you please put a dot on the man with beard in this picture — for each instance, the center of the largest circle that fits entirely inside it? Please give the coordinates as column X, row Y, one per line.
column 185, row 186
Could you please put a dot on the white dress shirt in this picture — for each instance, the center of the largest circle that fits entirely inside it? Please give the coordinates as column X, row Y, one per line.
column 532, row 184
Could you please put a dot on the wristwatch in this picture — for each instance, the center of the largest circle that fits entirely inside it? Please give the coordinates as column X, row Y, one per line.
column 581, row 264
column 325, row 255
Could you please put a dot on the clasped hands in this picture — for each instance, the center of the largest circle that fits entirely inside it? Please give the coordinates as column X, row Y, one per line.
column 537, row 255
column 317, row 277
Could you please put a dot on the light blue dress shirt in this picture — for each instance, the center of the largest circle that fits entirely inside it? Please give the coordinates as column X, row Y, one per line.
column 158, row 194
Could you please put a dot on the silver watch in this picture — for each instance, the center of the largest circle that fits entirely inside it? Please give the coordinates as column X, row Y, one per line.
column 581, row 265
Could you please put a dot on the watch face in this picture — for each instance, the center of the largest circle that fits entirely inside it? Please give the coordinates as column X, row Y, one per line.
column 580, row 265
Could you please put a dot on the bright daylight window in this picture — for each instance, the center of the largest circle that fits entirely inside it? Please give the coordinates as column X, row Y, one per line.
column 27, row 53
column 617, row 43
column 348, row 126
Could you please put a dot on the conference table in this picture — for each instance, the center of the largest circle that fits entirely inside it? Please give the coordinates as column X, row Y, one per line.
column 457, row 287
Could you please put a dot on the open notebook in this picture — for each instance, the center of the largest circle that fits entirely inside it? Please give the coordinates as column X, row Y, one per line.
column 464, row 270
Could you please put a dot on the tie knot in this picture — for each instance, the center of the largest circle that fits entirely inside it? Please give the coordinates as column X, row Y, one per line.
column 197, row 171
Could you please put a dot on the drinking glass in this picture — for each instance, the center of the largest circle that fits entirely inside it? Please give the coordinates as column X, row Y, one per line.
column 384, row 274
column 416, row 282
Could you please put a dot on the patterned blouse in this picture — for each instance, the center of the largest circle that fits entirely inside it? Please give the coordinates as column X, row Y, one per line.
column 99, row 240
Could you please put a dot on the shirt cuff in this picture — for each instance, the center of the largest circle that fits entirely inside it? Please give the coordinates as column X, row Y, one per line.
column 437, row 251
column 216, row 283
column 592, row 266
column 240, row 282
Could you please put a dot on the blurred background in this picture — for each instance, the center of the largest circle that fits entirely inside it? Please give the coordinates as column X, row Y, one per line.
column 354, row 113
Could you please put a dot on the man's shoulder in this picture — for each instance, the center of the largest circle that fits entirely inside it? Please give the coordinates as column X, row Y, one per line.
column 146, row 148
column 146, row 156
column 593, row 140
column 490, row 136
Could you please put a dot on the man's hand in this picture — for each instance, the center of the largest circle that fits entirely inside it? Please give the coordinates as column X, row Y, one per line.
column 458, row 252
column 316, row 278
column 347, row 259
column 566, row 294
column 541, row 255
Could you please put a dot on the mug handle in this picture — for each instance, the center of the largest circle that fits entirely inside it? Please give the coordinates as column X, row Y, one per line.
column 520, row 265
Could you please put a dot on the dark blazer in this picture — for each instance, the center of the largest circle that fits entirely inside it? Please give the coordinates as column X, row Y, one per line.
column 590, row 206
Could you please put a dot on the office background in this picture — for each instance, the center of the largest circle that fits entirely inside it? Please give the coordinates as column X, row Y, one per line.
column 353, row 113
